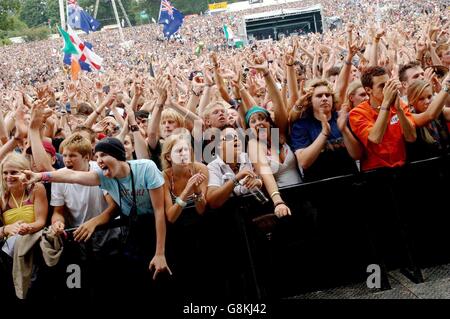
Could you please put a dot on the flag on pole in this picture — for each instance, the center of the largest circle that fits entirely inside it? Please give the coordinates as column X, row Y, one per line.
column 83, row 65
column 75, row 68
column 80, row 19
column 170, row 17
column 80, row 50
column 229, row 35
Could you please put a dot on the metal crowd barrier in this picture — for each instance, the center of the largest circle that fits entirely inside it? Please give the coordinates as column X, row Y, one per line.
column 394, row 218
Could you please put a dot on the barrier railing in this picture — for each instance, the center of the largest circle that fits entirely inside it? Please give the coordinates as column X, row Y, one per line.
column 392, row 218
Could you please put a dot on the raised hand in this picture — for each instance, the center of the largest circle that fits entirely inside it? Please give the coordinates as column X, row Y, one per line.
column 326, row 128
column 343, row 116
column 71, row 90
column 290, row 54
column 390, row 91
column 259, row 64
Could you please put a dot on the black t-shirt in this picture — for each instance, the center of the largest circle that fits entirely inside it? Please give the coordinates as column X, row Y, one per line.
column 432, row 141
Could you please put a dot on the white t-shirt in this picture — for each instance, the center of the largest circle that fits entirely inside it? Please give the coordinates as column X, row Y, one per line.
column 219, row 170
column 82, row 202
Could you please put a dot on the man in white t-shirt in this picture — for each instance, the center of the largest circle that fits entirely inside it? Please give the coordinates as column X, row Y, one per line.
column 78, row 206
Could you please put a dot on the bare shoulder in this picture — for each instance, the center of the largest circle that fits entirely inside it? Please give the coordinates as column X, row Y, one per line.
column 38, row 189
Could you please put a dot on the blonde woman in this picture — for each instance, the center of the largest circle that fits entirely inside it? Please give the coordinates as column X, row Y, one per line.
column 431, row 118
column 186, row 181
column 355, row 94
column 23, row 208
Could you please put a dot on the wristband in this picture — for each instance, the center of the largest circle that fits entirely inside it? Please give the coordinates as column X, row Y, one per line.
column 289, row 64
column 45, row 177
column 180, row 202
column 274, row 193
column 447, row 89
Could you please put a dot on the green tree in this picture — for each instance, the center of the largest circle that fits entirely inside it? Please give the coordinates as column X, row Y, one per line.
column 34, row 12
column 7, row 9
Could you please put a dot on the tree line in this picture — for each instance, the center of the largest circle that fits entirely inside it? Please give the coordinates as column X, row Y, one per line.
column 22, row 17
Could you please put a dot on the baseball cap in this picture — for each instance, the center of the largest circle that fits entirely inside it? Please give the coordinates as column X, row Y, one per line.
column 49, row 148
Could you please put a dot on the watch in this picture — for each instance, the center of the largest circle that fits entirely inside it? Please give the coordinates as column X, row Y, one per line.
column 134, row 128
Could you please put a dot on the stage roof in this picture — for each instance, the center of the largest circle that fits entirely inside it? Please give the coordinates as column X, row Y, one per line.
column 280, row 12
column 245, row 5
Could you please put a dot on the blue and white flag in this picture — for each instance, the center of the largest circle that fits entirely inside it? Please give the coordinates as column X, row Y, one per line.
column 80, row 19
column 170, row 17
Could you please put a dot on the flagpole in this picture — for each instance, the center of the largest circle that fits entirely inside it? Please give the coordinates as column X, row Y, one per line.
column 117, row 19
column 62, row 14
column 159, row 15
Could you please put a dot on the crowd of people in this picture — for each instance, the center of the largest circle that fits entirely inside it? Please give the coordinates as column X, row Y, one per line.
column 165, row 125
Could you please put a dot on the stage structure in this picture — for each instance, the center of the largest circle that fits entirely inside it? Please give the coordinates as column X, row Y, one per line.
column 281, row 23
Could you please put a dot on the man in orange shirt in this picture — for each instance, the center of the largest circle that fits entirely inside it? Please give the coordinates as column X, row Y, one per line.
column 383, row 123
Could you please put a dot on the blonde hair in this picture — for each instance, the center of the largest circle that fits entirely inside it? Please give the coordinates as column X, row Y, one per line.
column 415, row 90
column 169, row 143
column 77, row 143
column 16, row 160
column 208, row 109
column 352, row 87
column 169, row 114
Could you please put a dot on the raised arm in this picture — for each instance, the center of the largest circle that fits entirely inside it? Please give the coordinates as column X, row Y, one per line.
column 435, row 108
column 408, row 127
column 92, row 118
column 281, row 117
column 344, row 76
column 291, row 76
column 3, row 133
column 373, row 59
column 153, row 130
column 40, row 157
column 378, row 130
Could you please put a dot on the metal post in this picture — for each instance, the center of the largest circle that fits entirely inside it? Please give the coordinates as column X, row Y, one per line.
column 62, row 14
column 96, row 8
column 118, row 21
column 124, row 13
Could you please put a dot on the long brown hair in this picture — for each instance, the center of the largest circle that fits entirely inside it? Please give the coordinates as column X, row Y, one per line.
column 307, row 107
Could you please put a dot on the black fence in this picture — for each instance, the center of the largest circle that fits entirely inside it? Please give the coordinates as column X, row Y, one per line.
column 395, row 218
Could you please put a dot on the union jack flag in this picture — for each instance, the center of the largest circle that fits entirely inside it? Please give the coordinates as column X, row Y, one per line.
column 166, row 6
